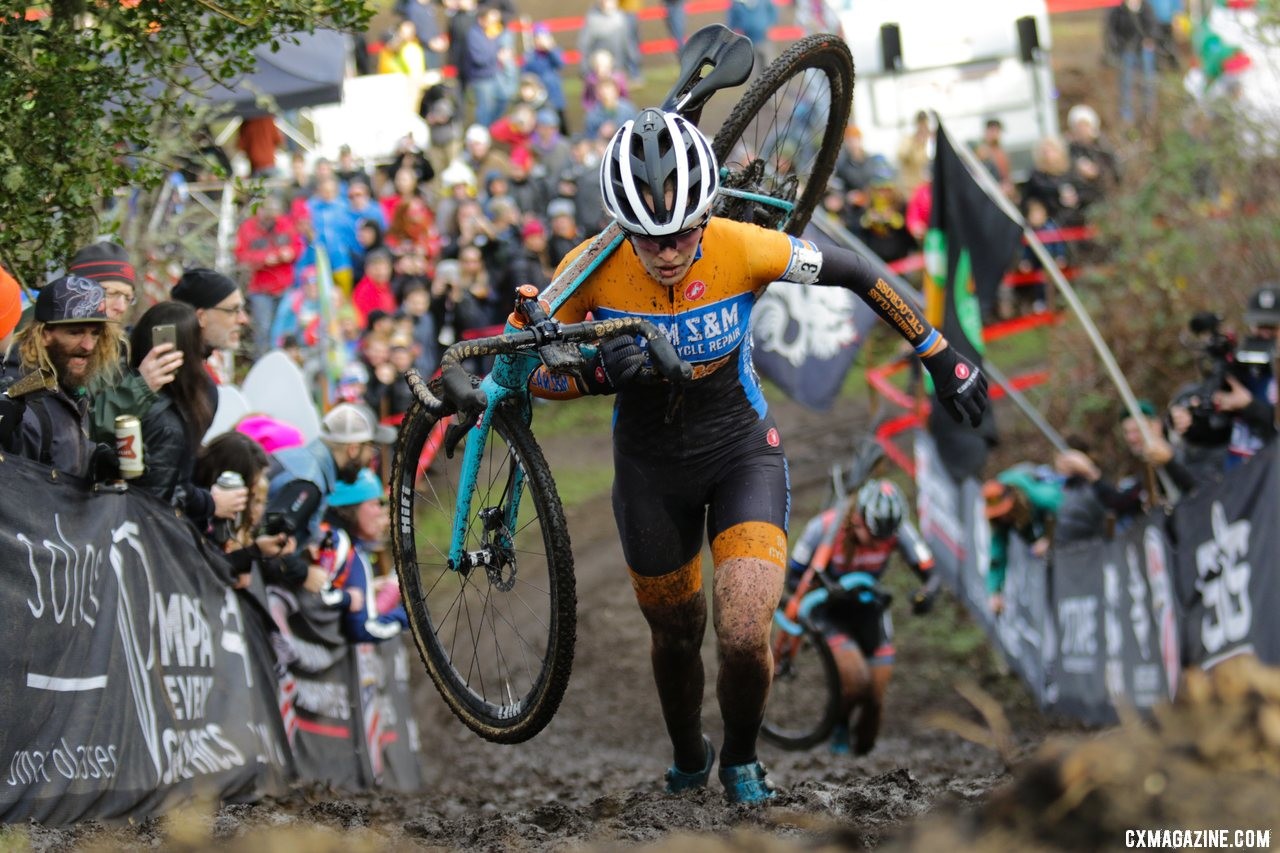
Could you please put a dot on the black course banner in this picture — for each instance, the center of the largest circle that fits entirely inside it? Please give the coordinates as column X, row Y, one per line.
column 1228, row 558
column 1116, row 624
column 320, row 694
column 391, row 731
column 954, row 525
column 126, row 681
column 1020, row 629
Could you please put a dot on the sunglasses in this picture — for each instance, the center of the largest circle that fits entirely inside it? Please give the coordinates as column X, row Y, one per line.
column 681, row 241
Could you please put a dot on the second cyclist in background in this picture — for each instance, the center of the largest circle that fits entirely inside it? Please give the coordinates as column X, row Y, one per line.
column 857, row 624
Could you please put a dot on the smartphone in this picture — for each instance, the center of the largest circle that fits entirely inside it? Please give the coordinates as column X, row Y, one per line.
column 164, row 334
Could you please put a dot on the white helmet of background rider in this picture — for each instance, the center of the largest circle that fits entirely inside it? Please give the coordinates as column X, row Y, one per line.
column 648, row 153
column 882, row 507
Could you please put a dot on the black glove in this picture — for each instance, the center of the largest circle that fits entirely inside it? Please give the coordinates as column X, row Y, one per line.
column 959, row 384
column 619, row 362
column 922, row 601
column 104, row 464
column 10, row 420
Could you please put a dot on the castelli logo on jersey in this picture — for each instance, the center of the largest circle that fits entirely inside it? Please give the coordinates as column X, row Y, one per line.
column 695, row 291
column 601, row 376
column 772, row 437
column 962, row 371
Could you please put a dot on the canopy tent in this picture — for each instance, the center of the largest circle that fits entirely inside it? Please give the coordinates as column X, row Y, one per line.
column 296, row 75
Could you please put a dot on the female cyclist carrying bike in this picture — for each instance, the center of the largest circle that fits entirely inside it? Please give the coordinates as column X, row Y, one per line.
column 707, row 455
column 856, row 623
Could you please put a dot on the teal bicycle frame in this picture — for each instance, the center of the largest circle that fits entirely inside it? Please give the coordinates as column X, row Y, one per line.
column 508, row 384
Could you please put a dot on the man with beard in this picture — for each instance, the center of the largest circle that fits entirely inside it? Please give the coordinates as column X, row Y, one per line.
column 134, row 392
column 68, row 344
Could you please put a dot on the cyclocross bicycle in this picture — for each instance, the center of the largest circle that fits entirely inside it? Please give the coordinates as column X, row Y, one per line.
column 804, row 698
column 480, row 541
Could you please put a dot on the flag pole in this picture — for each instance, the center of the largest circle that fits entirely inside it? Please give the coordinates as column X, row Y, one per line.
column 997, row 376
column 988, row 185
column 1024, row 405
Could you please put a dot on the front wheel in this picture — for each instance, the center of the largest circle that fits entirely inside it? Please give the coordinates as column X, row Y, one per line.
column 497, row 638
column 804, row 700
column 782, row 139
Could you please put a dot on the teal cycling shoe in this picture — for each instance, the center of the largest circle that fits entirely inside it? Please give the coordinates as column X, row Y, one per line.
column 839, row 743
column 679, row 781
column 747, row 783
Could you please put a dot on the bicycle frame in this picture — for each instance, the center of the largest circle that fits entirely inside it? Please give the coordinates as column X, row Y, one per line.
column 508, row 382
column 792, row 618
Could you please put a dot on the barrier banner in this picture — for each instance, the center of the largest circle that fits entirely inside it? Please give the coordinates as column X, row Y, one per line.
column 346, row 707
column 953, row 523
column 1141, row 618
column 127, row 681
column 1116, row 625
column 320, row 693
column 1023, row 630
column 1227, row 564
column 391, row 730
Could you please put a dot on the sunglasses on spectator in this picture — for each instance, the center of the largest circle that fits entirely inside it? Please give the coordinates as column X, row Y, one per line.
column 681, row 241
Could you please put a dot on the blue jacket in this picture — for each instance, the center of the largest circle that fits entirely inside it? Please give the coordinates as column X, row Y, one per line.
column 335, row 228
column 367, row 625
column 547, row 64
column 480, row 59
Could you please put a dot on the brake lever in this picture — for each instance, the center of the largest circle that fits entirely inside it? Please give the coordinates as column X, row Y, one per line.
column 664, row 355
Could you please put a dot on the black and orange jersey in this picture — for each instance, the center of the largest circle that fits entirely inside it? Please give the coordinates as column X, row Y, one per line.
column 707, row 317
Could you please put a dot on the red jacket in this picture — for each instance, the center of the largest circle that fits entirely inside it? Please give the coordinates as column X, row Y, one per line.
column 370, row 296
column 268, row 254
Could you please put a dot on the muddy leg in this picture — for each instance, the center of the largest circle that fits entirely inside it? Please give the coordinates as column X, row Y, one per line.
column 868, row 726
column 676, row 628
column 855, row 675
column 746, row 592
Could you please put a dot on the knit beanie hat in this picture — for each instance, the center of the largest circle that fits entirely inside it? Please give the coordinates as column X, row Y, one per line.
column 103, row 261
column 203, row 288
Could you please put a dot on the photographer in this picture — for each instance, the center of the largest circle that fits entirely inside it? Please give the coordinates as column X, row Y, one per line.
column 1251, row 393
column 1233, row 411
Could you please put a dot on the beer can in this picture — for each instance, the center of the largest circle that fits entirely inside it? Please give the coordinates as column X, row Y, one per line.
column 230, row 480
column 129, row 446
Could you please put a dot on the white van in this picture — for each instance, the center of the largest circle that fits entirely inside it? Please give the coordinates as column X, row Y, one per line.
column 969, row 61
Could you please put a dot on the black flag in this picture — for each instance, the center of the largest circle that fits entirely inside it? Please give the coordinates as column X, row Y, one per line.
column 967, row 250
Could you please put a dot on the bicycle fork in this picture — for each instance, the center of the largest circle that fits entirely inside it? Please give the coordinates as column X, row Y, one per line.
column 498, row 521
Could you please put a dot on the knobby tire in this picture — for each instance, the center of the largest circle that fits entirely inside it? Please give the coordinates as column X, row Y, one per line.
column 510, row 698
column 804, row 700
column 830, row 87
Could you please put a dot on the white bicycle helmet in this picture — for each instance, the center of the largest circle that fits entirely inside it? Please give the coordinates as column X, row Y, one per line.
column 647, row 153
column 882, row 507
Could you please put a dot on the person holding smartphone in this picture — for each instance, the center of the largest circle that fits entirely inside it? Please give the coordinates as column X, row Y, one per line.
column 179, row 417
column 132, row 393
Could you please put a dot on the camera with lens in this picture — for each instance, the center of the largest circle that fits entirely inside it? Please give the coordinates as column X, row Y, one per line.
column 275, row 523
column 1220, row 356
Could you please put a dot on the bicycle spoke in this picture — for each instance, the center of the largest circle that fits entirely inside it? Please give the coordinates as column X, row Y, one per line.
column 497, row 632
